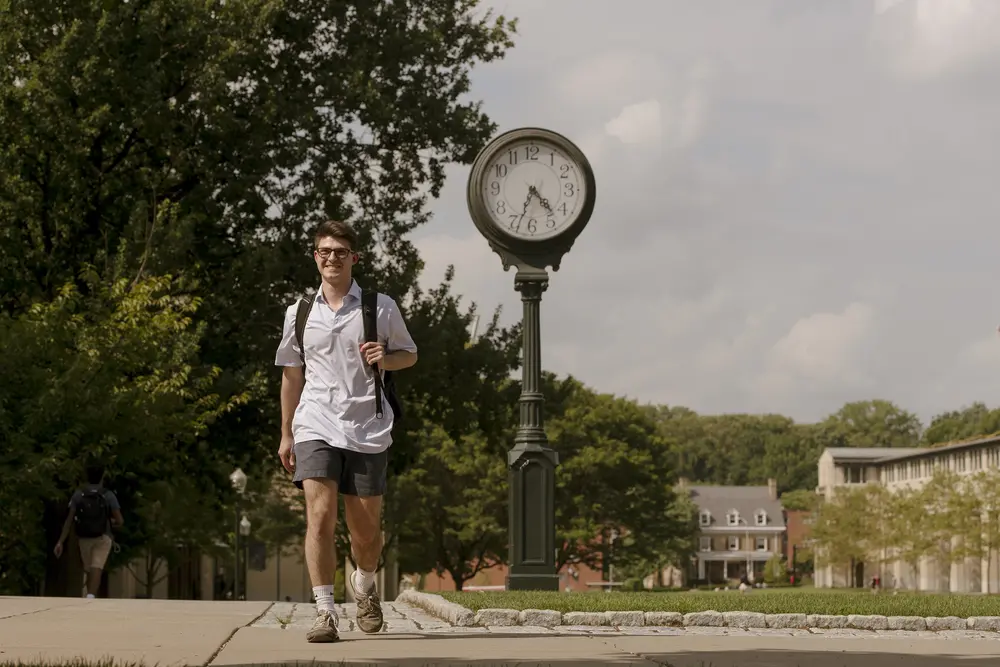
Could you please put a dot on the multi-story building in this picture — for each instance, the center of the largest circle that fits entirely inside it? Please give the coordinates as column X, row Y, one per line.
column 843, row 467
column 741, row 528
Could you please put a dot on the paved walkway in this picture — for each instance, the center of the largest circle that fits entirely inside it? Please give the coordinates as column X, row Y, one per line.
column 254, row 633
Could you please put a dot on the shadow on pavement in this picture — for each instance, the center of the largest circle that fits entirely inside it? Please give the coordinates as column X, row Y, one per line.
column 753, row 658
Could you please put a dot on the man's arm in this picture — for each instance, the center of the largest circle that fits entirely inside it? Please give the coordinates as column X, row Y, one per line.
column 293, row 379
column 400, row 350
column 67, row 524
column 398, row 360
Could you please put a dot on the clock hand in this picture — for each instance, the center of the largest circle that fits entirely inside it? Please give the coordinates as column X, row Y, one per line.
column 532, row 190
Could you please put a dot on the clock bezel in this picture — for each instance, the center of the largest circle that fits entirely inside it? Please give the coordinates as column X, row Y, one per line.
column 521, row 246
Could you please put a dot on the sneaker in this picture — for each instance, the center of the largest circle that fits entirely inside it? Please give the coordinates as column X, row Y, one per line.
column 369, row 609
column 324, row 629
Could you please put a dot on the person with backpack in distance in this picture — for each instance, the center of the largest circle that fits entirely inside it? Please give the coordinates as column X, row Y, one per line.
column 338, row 351
column 93, row 511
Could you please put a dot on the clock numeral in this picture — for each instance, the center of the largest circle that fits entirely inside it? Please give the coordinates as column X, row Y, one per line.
column 550, row 221
column 569, row 189
column 563, row 208
column 532, row 226
column 531, row 152
column 495, row 188
column 515, row 222
column 552, row 159
column 564, row 171
column 501, row 170
column 512, row 157
column 501, row 207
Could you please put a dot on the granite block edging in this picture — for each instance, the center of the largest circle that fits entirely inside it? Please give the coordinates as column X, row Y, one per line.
column 463, row 617
column 436, row 605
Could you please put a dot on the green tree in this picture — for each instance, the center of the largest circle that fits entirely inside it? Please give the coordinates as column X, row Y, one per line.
column 969, row 422
column 800, row 500
column 208, row 139
column 455, row 501
column 839, row 530
column 875, row 423
column 108, row 376
column 775, row 570
column 614, row 475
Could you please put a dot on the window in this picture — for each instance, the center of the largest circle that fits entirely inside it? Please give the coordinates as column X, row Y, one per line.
column 960, row 461
column 890, row 473
column 706, row 518
column 706, row 544
column 854, row 474
column 734, row 543
column 927, row 467
column 733, row 518
column 761, row 544
column 977, row 459
column 761, row 518
column 915, row 469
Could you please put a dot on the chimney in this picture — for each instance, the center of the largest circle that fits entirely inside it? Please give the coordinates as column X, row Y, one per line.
column 772, row 488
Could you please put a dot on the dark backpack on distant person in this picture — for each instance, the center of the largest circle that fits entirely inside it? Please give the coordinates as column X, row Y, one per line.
column 384, row 383
column 92, row 513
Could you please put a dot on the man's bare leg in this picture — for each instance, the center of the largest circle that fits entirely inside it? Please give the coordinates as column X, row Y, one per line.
column 94, row 580
column 364, row 520
column 321, row 556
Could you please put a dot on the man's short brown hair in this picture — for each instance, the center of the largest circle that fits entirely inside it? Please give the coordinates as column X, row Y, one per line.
column 334, row 229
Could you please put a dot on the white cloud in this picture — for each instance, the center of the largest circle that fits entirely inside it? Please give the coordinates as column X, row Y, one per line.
column 637, row 124
column 823, row 346
column 930, row 38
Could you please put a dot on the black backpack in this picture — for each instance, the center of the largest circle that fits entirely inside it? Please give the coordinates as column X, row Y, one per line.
column 92, row 513
column 384, row 383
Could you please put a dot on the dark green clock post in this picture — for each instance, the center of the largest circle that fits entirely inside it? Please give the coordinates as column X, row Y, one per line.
column 530, row 193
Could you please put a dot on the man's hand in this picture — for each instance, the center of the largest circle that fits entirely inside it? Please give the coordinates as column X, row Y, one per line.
column 58, row 550
column 373, row 353
column 286, row 454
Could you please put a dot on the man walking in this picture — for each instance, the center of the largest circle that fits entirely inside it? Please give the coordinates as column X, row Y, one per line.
column 93, row 510
column 333, row 438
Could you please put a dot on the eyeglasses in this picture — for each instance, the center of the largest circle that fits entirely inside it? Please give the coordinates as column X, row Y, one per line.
column 339, row 253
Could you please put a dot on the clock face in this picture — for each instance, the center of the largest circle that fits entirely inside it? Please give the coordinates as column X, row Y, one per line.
column 533, row 190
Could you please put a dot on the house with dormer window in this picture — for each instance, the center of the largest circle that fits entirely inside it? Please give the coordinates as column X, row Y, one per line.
column 741, row 528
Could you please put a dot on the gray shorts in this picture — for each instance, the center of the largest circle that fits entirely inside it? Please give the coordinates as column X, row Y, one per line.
column 356, row 474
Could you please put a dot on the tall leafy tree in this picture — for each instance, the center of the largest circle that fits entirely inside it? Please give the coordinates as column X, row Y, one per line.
column 971, row 421
column 875, row 423
column 207, row 139
column 614, row 475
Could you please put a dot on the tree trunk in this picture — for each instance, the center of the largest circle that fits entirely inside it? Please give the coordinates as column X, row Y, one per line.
column 459, row 578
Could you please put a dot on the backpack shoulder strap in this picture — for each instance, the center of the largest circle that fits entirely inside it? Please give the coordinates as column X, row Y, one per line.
column 369, row 314
column 301, row 315
column 369, row 318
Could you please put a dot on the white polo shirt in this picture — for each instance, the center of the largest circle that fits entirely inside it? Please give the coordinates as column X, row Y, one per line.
column 338, row 401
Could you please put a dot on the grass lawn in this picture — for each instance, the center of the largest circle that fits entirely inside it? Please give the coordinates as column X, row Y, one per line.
column 774, row 601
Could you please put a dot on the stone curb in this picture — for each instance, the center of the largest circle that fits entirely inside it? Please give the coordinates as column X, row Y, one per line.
column 463, row 617
column 455, row 614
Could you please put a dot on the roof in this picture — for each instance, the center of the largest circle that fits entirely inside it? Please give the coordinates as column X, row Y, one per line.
column 884, row 454
column 746, row 500
column 872, row 453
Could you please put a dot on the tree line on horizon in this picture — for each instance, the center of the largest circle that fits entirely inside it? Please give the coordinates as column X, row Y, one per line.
column 162, row 167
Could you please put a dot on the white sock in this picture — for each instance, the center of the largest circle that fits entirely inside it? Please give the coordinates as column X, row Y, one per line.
column 324, row 597
column 90, row 596
column 363, row 581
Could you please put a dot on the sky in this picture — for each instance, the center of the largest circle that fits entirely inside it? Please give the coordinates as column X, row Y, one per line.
column 796, row 200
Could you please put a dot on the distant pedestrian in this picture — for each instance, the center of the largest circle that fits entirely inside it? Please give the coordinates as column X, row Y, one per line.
column 337, row 351
column 93, row 512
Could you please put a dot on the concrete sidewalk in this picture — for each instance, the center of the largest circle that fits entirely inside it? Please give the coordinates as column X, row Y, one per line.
column 173, row 633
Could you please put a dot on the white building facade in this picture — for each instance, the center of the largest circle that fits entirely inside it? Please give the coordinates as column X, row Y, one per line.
column 896, row 468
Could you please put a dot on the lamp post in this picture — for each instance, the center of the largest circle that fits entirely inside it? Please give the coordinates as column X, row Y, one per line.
column 530, row 193
column 245, row 533
column 238, row 478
